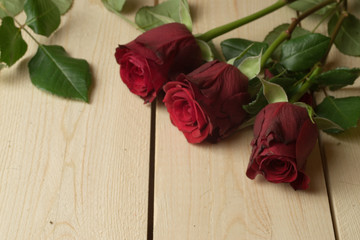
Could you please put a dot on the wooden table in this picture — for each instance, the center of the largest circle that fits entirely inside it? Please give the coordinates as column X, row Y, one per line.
column 118, row 169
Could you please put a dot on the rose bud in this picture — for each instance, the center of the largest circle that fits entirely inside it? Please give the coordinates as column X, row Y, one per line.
column 155, row 57
column 284, row 136
column 207, row 103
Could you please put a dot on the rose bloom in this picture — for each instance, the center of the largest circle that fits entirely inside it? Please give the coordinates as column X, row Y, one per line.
column 155, row 57
column 207, row 103
column 284, row 136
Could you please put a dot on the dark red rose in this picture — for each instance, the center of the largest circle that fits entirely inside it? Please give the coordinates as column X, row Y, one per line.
column 207, row 103
column 284, row 136
column 155, row 57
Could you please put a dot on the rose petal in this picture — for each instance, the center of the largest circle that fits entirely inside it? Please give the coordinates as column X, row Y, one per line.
column 305, row 143
column 278, row 169
column 302, row 182
column 155, row 60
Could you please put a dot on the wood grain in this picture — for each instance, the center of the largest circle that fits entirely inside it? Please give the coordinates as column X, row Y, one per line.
column 70, row 170
column 341, row 152
column 202, row 192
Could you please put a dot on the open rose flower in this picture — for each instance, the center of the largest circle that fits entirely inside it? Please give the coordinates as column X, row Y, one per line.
column 284, row 136
column 155, row 57
column 207, row 103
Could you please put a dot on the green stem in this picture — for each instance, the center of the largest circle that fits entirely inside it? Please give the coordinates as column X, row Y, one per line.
column 213, row 33
column 21, row 26
column 307, row 13
column 246, row 124
column 123, row 17
column 267, row 54
column 317, row 69
column 345, row 5
column 32, row 37
column 308, row 83
column 341, row 19
column 327, row 15
column 287, row 34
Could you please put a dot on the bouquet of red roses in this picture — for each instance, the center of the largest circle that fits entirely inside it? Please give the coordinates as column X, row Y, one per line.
column 269, row 84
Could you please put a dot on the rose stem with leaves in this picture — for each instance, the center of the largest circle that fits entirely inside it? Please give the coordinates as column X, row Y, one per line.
column 317, row 69
column 213, row 33
column 287, row 33
column 21, row 26
column 123, row 17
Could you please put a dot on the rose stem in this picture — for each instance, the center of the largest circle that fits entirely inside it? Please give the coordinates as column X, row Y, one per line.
column 123, row 17
column 246, row 124
column 213, row 33
column 21, row 26
column 341, row 19
column 345, row 5
column 287, row 34
column 317, row 69
column 326, row 16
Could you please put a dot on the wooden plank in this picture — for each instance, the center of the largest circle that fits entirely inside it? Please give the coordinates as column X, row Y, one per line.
column 71, row 170
column 202, row 192
column 341, row 152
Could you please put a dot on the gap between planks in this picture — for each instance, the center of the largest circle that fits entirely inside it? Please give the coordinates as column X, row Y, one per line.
column 151, row 193
column 326, row 176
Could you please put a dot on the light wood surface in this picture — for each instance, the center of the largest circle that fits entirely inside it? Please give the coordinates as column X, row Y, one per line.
column 70, row 170
column 341, row 152
column 202, row 192
column 341, row 155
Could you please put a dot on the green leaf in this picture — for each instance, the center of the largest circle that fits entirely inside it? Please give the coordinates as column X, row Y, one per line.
column 308, row 108
column 206, row 52
column 251, row 66
column 327, row 125
column 273, row 92
column 166, row 12
column 13, row 7
column 236, row 60
column 43, row 17
column 270, row 38
column 303, row 5
column 345, row 112
column 338, row 78
column 114, row 5
column 64, row 5
column 303, row 52
column 2, row 65
column 233, row 47
column 215, row 51
column 184, row 14
column 348, row 37
column 12, row 45
column 51, row 69
column 255, row 106
column 255, row 87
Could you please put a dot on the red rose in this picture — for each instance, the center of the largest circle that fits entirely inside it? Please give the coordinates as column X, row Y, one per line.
column 154, row 57
column 207, row 103
column 284, row 136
